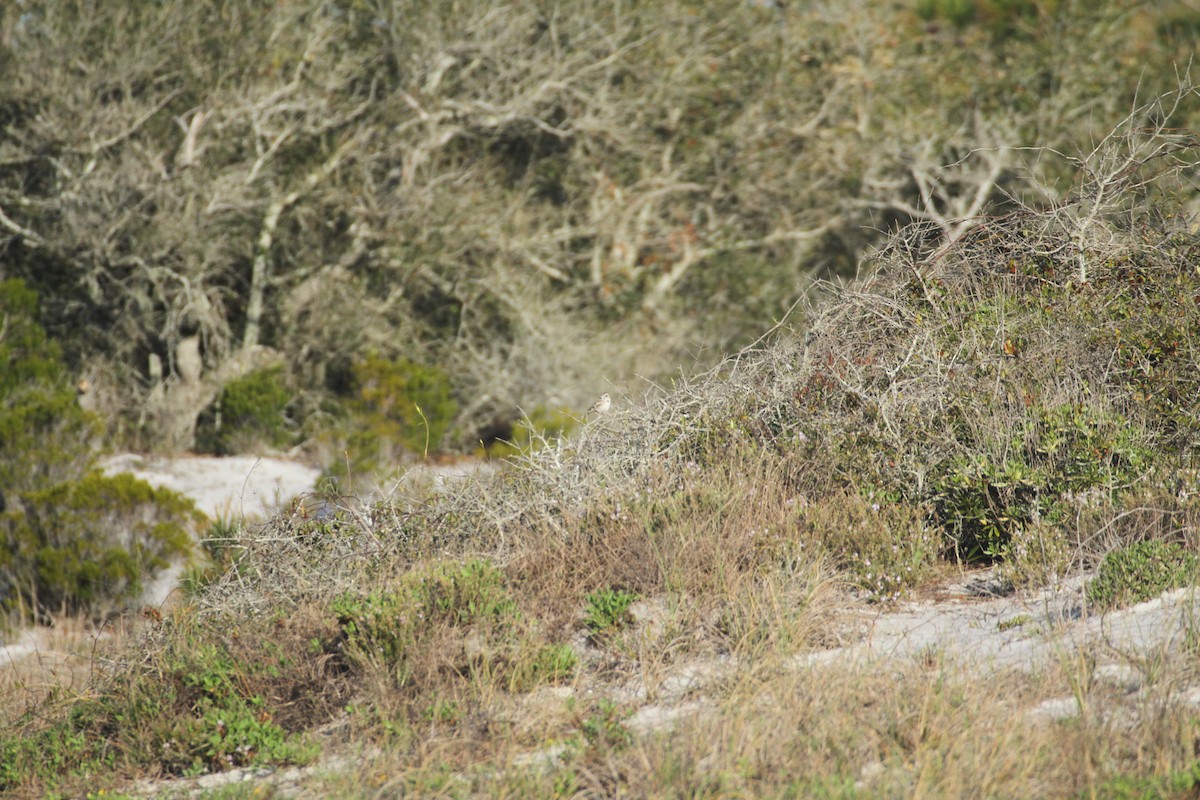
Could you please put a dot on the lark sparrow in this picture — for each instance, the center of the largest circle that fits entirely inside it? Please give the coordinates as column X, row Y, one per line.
column 602, row 405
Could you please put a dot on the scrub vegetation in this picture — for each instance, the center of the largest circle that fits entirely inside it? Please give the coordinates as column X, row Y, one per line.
column 388, row 228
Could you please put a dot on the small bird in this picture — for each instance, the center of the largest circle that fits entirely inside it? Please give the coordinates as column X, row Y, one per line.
column 602, row 405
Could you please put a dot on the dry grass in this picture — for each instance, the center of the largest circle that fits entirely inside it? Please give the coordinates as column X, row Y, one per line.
column 57, row 661
column 923, row 728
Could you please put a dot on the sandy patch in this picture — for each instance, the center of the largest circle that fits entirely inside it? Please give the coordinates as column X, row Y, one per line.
column 237, row 487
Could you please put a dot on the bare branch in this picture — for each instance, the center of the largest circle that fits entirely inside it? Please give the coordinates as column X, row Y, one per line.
column 30, row 237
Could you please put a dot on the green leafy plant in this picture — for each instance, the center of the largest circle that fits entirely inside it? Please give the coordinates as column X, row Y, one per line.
column 541, row 427
column 549, row 663
column 250, row 411
column 1013, row 622
column 220, row 546
column 87, row 544
column 240, row 732
column 608, row 610
column 404, row 401
column 199, row 708
column 1001, row 18
column 1141, row 571
column 390, row 624
column 982, row 500
column 45, row 437
column 958, row 12
column 393, row 410
column 604, row 729
column 1178, row 783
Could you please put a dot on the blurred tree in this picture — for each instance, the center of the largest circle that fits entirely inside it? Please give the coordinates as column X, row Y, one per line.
column 528, row 196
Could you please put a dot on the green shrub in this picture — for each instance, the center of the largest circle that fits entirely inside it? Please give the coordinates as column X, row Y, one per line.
column 250, row 410
column 982, row 499
column 608, row 610
column 50, row 754
column 87, row 544
column 1140, row 572
column 1001, row 18
column 390, row 624
column 542, row 426
column 197, row 708
column 1178, row 783
column 404, row 402
column 29, row 355
column 395, row 409
column 220, row 544
column 957, row 12
column 549, row 663
column 604, row 728
column 236, row 731
column 45, row 437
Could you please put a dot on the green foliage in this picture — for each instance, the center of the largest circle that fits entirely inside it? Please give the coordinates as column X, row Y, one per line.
column 86, row 544
column 49, row 755
column 1148, row 322
column 220, row 544
column 250, row 410
column 45, row 437
column 550, row 663
column 389, row 621
column 604, row 728
column 197, row 710
column 608, row 610
column 958, row 12
column 28, row 355
column 1139, row 572
column 238, row 733
column 540, row 428
column 228, row 726
column 396, row 409
column 982, row 499
column 404, row 401
column 1180, row 783
column 1180, row 23
column 999, row 17
column 1013, row 622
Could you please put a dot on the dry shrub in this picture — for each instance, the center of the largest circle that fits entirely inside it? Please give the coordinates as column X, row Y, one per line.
column 720, row 543
column 979, row 386
column 1152, row 512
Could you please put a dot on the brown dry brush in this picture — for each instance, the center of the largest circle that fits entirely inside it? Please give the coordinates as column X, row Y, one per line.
column 1033, row 337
